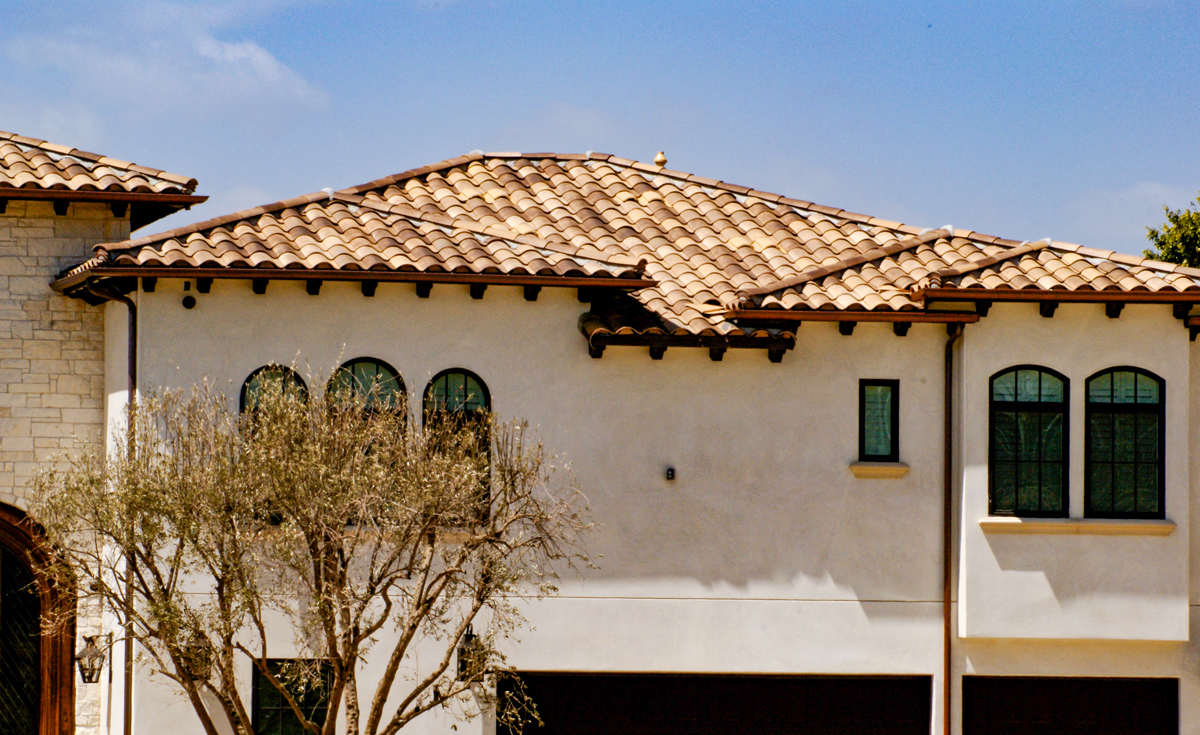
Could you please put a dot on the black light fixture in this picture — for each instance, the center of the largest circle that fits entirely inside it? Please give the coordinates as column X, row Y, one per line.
column 91, row 657
column 468, row 655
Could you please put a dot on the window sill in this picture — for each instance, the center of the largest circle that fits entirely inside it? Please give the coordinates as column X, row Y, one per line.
column 1078, row 526
column 879, row 470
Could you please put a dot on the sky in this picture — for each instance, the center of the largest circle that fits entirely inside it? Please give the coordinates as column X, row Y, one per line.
column 1076, row 121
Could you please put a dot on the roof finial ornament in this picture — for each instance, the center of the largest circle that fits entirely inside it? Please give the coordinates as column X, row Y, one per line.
column 660, row 159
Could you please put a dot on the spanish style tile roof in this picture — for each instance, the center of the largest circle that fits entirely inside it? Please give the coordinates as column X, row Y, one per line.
column 718, row 254
column 713, row 247
column 32, row 164
column 323, row 235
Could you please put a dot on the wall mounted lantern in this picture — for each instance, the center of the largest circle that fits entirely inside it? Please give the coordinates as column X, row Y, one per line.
column 470, row 654
column 91, row 657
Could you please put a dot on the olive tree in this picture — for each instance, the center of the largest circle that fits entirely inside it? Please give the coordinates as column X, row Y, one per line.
column 366, row 533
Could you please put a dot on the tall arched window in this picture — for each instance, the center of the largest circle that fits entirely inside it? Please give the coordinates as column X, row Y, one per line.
column 284, row 377
column 1124, row 444
column 1027, row 459
column 461, row 397
column 372, row 379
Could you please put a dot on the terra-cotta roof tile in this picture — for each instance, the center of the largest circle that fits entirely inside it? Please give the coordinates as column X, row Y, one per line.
column 29, row 163
column 709, row 247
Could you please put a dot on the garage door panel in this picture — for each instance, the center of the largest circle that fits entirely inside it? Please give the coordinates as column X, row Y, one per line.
column 1000, row 705
column 633, row 704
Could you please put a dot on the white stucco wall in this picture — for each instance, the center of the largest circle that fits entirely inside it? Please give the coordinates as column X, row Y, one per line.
column 1086, row 586
column 763, row 506
column 765, row 555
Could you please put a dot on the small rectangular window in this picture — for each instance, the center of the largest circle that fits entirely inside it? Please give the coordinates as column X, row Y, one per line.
column 309, row 681
column 879, row 420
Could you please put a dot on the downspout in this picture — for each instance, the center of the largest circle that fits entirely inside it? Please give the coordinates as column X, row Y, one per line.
column 131, row 386
column 955, row 331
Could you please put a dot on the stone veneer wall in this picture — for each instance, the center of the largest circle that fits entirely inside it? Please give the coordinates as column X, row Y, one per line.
column 51, row 363
column 51, row 347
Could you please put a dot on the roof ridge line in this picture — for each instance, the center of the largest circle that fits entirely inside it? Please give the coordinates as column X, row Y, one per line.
column 497, row 231
column 208, row 224
column 674, row 174
column 1127, row 259
column 876, row 253
column 1024, row 248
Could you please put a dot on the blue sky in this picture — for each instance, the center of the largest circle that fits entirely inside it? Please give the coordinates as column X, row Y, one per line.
column 1076, row 121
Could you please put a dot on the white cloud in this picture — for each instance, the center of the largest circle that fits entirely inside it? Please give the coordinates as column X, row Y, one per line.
column 160, row 62
column 27, row 115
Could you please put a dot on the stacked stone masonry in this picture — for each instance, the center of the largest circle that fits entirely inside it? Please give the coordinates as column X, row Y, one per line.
column 51, row 347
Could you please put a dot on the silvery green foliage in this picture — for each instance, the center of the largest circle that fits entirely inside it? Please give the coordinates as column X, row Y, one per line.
column 368, row 531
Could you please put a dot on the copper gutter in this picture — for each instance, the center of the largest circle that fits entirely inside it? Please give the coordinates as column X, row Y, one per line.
column 817, row 315
column 955, row 331
column 1085, row 297
column 329, row 274
column 131, row 370
column 13, row 193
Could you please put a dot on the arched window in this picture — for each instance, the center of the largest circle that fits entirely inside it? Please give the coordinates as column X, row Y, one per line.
column 372, row 379
column 266, row 375
column 457, row 391
column 1027, row 459
column 462, row 398
column 1124, row 445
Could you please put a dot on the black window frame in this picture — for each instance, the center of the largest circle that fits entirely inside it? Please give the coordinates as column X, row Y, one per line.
column 427, row 396
column 1160, row 410
column 1029, row 406
column 348, row 366
column 894, row 454
column 259, row 683
column 299, row 381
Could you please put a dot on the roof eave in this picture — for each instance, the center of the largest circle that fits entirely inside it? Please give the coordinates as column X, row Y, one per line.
column 99, row 195
column 77, row 279
column 1082, row 296
column 850, row 315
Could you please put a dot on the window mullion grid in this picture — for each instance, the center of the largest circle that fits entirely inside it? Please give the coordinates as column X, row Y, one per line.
column 1112, row 456
column 1041, row 443
column 1137, row 416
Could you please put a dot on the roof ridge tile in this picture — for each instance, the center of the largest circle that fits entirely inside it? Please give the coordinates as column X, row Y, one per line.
column 210, row 224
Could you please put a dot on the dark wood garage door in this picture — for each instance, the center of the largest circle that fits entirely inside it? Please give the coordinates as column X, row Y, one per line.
column 1008, row 705
column 637, row 704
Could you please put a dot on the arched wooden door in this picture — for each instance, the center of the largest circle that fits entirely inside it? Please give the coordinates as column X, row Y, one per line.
column 36, row 677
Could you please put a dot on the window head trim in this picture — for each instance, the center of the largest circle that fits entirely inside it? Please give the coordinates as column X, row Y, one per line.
column 283, row 370
column 1157, row 408
column 1062, row 408
column 893, row 454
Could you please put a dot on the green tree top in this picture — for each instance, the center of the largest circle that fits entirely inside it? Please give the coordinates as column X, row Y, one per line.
column 1178, row 241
